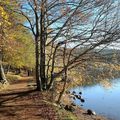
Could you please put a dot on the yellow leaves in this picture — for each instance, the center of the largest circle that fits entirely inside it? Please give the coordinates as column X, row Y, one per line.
column 3, row 13
column 4, row 17
column 5, row 1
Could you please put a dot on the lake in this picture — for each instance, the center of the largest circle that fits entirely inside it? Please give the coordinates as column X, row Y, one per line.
column 103, row 98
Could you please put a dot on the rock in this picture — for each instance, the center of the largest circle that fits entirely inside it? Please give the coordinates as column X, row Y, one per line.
column 80, row 93
column 74, row 98
column 73, row 92
column 82, row 100
column 90, row 112
column 69, row 108
column 78, row 96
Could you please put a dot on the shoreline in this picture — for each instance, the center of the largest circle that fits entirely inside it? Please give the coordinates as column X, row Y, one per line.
column 80, row 112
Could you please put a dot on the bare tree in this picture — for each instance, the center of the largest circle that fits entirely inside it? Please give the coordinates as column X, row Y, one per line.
column 61, row 24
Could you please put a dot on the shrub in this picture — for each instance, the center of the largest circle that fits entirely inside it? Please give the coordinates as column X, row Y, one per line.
column 12, row 78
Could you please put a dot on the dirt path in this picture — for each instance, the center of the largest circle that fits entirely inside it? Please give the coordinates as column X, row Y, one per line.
column 19, row 102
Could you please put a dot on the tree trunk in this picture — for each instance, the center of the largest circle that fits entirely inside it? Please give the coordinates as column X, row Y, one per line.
column 2, row 75
column 52, row 70
column 64, row 87
column 29, row 72
column 38, row 81
column 65, row 75
column 42, row 46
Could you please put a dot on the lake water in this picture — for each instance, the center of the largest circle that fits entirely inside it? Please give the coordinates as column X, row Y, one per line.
column 103, row 99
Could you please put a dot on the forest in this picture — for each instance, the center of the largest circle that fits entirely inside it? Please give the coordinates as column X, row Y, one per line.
column 48, row 48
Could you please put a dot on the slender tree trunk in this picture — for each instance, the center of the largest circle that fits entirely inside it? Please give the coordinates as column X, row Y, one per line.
column 42, row 46
column 65, row 75
column 38, row 81
column 64, row 87
column 52, row 70
column 2, row 74
column 3, row 79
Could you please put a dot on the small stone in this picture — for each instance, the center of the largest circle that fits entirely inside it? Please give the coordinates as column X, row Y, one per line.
column 69, row 108
column 90, row 112
column 73, row 92
column 78, row 96
column 74, row 98
column 82, row 100
column 80, row 93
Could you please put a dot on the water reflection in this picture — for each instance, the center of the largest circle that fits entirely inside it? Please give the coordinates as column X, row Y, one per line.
column 103, row 98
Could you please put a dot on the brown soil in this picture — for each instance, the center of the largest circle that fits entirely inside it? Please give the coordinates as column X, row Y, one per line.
column 21, row 102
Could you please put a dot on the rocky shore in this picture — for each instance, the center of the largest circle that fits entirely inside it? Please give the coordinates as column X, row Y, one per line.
column 81, row 114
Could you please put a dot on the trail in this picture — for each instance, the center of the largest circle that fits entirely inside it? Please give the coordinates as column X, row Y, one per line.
column 20, row 102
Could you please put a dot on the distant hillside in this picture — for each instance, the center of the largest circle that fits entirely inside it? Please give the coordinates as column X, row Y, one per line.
column 108, row 51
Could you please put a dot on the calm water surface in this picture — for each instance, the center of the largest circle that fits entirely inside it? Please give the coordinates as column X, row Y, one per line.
column 103, row 100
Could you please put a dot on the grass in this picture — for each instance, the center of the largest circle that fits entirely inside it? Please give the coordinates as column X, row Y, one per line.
column 12, row 78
